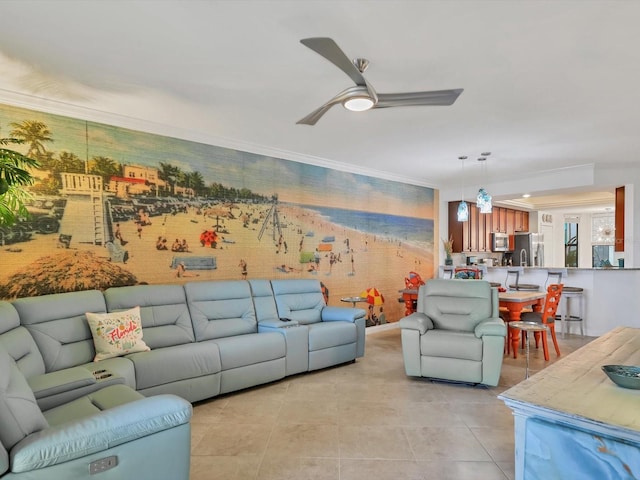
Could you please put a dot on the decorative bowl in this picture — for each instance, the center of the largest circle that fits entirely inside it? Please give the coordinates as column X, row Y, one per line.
column 625, row 376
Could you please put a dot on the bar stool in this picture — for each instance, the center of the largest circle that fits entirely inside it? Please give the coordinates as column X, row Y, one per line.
column 514, row 273
column 569, row 294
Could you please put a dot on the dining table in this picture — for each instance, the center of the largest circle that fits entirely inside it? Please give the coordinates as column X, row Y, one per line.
column 515, row 302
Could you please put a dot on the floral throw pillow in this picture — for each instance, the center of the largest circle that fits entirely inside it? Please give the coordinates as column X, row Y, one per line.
column 116, row 334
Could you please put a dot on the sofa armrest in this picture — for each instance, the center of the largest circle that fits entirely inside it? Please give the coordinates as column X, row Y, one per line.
column 104, row 430
column 491, row 326
column 61, row 381
column 342, row 314
column 417, row 321
column 278, row 324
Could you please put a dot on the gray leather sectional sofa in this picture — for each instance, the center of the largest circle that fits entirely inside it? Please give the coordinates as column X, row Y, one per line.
column 205, row 339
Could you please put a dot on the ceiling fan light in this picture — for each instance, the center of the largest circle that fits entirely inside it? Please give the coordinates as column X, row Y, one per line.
column 358, row 104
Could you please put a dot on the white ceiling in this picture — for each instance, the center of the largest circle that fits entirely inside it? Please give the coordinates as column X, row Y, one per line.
column 547, row 84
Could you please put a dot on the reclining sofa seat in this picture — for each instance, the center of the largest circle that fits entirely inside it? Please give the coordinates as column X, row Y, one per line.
column 176, row 363
column 114, row 426
column 223, row 317
column 335, row 334
column 456, row 333
column 51, row 342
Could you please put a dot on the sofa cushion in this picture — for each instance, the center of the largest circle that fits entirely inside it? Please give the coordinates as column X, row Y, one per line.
column 263, row 301
column 90, row 404
column 4, row 459
column 19, row 343
column 243, row 350
column 59, row 326
column 172, row 364
column 457, row 304
column 451, row 344
column 299, row 300
column 331, row 334
column 116, row 334
column 221, row 309
column 20, row 415
column 163, row 309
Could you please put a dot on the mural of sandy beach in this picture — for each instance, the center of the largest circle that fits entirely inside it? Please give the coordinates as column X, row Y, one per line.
column 361, row 260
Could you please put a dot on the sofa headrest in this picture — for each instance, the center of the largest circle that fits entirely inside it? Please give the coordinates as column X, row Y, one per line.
column 457, row 288
column 9, row 318
column 20, row 415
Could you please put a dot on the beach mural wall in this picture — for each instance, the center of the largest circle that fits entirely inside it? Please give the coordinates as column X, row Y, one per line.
column 113, row 206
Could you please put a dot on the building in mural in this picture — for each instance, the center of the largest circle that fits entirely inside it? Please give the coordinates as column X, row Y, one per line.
column 157, row 209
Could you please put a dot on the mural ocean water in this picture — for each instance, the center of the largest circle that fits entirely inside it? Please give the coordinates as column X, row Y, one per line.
column 113, row 206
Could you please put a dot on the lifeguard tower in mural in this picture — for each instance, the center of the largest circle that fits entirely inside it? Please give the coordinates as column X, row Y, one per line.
column 85, row 219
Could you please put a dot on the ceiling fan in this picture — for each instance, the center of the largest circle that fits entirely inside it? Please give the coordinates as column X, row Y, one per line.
column 362, row 96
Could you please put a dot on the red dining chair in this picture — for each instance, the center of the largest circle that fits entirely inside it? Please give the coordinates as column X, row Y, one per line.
column 547, row 317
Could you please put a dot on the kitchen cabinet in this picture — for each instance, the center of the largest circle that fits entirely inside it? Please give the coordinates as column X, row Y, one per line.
column 619, row 219
column 499, row 220
column 474, row 235
column 521, row 221
column 474, row 228
column 511, row 221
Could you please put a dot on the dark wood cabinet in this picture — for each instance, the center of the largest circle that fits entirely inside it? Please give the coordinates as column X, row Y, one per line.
column 619, row 219
column 474, row 235
column 474, row 216
column 511, row 221
column 521, row 221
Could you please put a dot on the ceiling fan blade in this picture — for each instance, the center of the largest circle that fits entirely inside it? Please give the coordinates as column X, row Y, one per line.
column 438, row 97
column 314, row 116
column 331, row 51
column 347, row 93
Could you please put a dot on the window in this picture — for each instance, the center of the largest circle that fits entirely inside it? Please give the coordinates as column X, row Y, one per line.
column 571, row 242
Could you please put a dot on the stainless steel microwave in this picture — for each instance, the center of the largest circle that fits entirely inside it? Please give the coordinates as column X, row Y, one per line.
column 499, row 242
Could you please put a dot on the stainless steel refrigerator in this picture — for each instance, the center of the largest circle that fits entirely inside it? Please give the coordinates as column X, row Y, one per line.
column 528, row 249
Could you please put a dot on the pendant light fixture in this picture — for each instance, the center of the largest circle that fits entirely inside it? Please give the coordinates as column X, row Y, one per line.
column 463, row 208
column 483, row 201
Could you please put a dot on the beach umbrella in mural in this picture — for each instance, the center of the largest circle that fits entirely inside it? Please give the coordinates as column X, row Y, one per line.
column 68, row 271
column 373, row 296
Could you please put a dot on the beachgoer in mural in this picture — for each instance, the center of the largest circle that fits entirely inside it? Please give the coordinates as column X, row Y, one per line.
column 353, row 268
column 371, row 319
column 287, row 269
column 118, row 235
column 181, row 271
column 243, row 268
column 382, row 318
column 301, row 243
column 184, row 247
column 176, row 246
column 161, row 243
column 316, row 258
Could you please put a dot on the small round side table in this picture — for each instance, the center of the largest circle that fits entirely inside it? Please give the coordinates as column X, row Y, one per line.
column 527, row 327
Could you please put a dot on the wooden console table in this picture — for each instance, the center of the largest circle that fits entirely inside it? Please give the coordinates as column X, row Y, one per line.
column 571, row 421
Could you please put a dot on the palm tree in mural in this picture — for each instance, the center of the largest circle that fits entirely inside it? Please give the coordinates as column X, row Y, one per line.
column 14, row 176
column 33, row 133
column 68, row 162
column 170, row 174
column 105, row 167
column 192, row 180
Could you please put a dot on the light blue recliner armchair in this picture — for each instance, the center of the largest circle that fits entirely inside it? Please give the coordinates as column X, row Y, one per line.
column 110, row 434
column 456, row 333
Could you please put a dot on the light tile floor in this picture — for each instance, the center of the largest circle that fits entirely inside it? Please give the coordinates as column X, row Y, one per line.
column 365, row 420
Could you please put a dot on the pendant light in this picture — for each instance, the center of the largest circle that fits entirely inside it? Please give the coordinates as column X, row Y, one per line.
column 463, row 208
column 483, row 201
